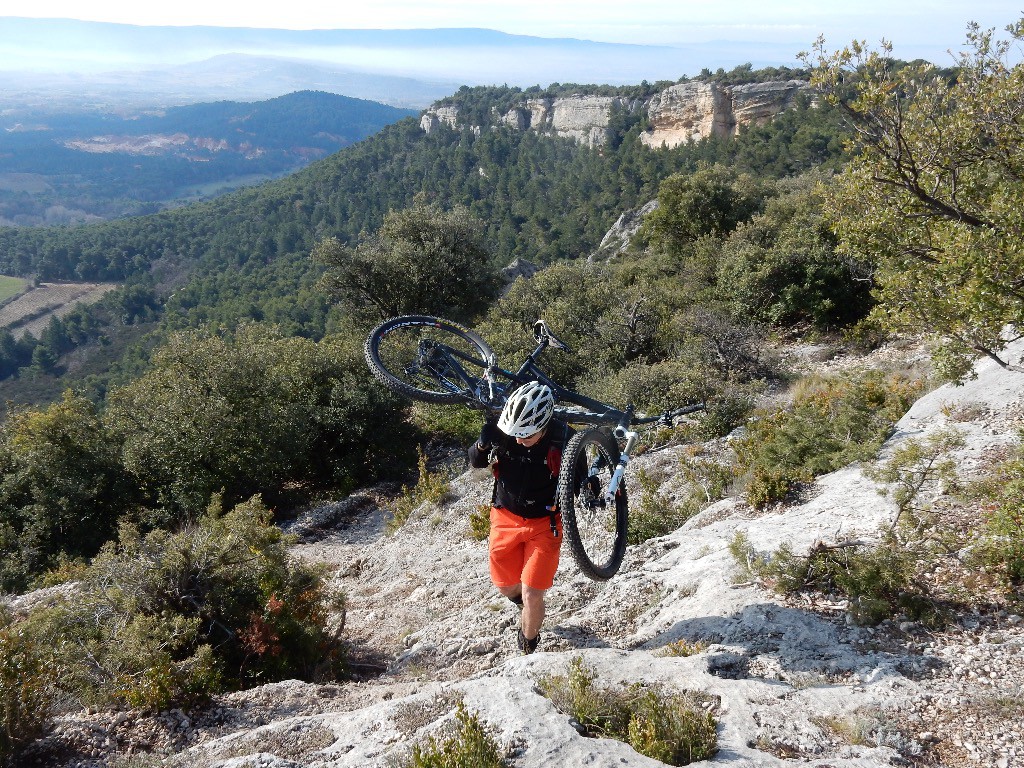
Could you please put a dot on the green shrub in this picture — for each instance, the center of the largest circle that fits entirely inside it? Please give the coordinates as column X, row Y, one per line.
column 174, row 617
column 480, row 523
column 999, row 546
column 62, row 488
column 831, row 423
column 668, row 727
column 422, row 260
column 431, row 487
column 709, row 479
column 654, row 514
column 746, row 556
column 671, row 727
column 896, row 575
column 881, row 580
column 725, row 411
column 253, row 412
column 454, row 423
column 471, row 745
column 782, row 266
column 684, row 648
column 767, row 485
column 26, row 689
column 915, row 465
column 713, row 199
column 651, row 387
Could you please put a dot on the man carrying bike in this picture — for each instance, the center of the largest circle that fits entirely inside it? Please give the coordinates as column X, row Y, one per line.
column 524, row 448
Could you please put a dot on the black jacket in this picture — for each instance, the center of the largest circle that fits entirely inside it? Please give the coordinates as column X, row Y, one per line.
column 525, row 479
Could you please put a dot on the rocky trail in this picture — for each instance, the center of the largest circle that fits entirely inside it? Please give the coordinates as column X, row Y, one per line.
column 791, row 681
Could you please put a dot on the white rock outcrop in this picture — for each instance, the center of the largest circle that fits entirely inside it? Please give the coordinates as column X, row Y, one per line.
column 437, row 116
column 687, row 112
column 617, row 239
column 791, row 681
column 580, row 117
column 681, row 113
column 693, row 111
column 757, row 103
column 583, row 118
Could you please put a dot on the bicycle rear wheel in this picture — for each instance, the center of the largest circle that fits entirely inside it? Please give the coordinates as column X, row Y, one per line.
column 594, row 528
column 427, row 358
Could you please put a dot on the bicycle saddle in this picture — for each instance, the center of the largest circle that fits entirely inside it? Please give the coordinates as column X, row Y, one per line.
column 542, row 333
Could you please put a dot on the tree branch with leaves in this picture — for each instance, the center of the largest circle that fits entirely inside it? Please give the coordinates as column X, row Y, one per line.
column 934, row 194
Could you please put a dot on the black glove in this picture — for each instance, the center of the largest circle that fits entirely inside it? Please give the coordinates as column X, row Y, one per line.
column 490, row 434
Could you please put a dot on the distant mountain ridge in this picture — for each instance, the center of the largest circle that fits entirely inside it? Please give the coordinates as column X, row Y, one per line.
column 459, row 56
column 226, row 76
column 77, row 167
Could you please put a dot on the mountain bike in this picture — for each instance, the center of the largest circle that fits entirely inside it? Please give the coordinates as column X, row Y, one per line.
column 439, row 361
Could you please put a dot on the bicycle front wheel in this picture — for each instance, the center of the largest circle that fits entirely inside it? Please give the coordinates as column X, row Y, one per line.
column 594, row 527
column 427, row 358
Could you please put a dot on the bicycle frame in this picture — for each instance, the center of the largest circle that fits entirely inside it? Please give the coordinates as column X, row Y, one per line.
column 596, row 412
column 453, row 364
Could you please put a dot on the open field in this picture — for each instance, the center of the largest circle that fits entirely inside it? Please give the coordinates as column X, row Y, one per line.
column 10, row 287
column 30, row 312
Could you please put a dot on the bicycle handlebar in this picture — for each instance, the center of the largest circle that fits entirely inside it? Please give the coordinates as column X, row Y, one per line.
column 667, row 416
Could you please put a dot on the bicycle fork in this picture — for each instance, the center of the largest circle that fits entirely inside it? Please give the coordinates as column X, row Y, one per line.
column 620, row 468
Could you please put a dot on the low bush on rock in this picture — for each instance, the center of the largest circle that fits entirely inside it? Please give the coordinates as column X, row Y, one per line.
column 480, row 522
column 951, row 545
column 451, row 423
column 675, row 728
column 469, row 743
column 831, row 423
column 1000, row 498
column 171, row 618
column 654, row 514
column 431, row 487
column 880, row 581
column 26, row 690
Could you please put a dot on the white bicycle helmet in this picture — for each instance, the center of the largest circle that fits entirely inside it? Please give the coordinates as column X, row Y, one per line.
column 527, row 410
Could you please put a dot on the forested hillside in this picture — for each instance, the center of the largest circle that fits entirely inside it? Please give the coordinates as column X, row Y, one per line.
column 89, row 164
column 224, row 383
column 213, row 290
column 246, row 255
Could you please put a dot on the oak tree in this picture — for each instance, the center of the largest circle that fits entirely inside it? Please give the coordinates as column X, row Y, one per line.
column 934, row 196
column 422, row 260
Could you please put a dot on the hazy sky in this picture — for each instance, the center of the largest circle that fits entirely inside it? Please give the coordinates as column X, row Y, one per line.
column 913, row 26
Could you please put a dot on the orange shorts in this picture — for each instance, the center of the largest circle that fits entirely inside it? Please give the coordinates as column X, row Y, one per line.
column 523, row 550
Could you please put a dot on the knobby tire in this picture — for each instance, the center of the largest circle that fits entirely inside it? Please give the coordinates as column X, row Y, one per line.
column 596, row 532
column 393, row 350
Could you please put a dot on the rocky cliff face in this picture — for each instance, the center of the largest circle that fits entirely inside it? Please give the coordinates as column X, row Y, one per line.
column 580, row 117
column 583, row 118
column 684, row 112
column 436, row 116
column 693, row 111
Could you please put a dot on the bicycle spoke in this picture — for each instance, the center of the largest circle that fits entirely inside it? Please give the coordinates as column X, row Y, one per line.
column 595, row 526
column 434, row 361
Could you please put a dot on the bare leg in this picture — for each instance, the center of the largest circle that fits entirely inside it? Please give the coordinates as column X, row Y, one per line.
column 516, row 590
column 533, row 611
